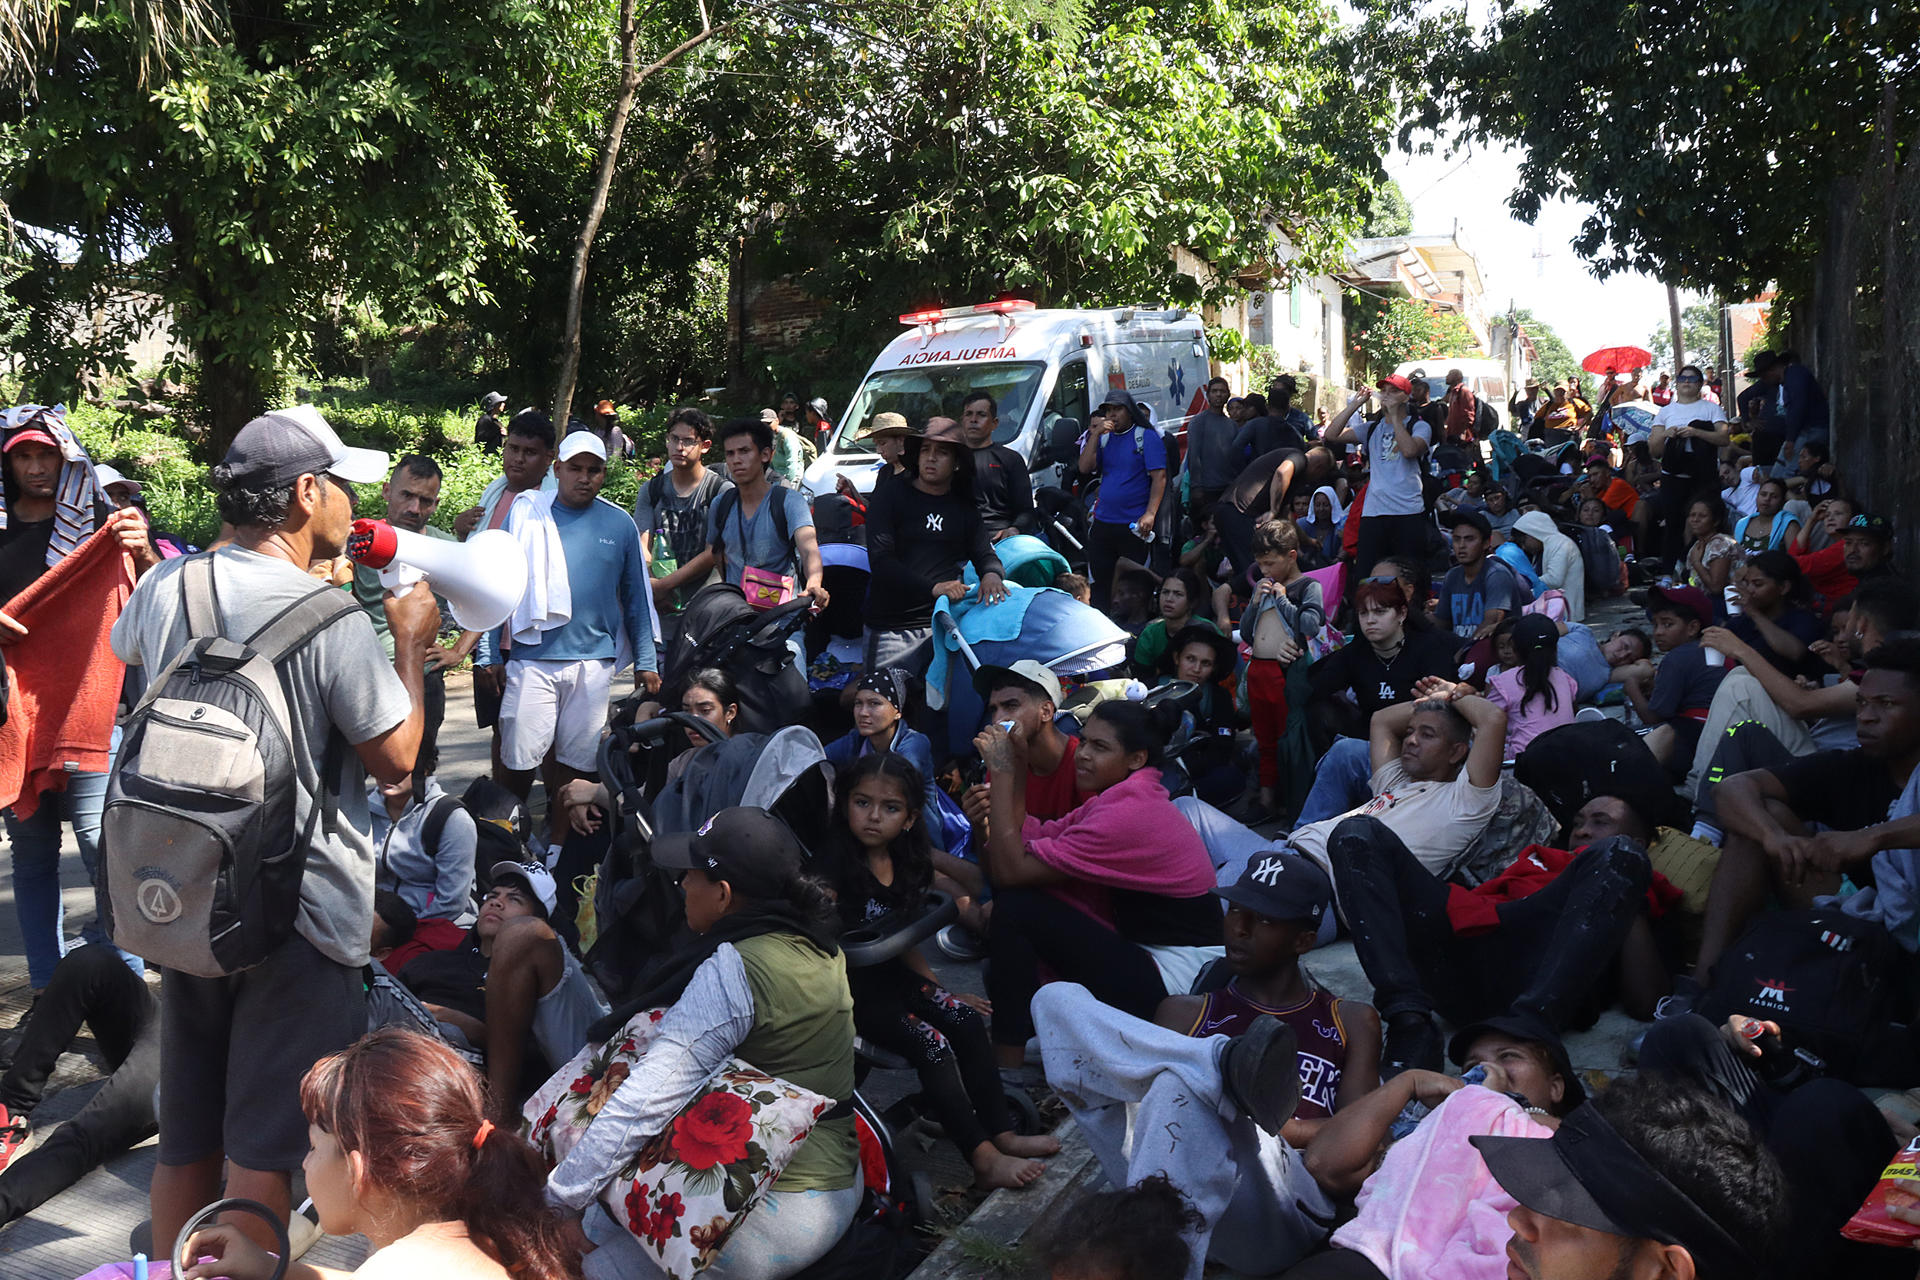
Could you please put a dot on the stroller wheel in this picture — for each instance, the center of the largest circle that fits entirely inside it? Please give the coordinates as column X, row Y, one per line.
column 1026, row 1116
column 926, row 1210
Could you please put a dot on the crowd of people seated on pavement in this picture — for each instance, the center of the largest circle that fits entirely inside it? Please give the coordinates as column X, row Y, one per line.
column 1543, row 724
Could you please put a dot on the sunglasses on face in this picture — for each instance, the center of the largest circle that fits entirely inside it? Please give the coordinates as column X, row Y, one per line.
column 1383, row 580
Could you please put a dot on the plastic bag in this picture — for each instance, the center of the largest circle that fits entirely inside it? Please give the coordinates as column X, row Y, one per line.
column 1898, row 1191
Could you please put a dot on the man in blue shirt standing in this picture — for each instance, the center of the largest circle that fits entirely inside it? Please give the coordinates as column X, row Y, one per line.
column 1123, row 446
column 558, row 680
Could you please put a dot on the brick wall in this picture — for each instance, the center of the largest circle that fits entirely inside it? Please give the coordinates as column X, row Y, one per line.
column 778, row 315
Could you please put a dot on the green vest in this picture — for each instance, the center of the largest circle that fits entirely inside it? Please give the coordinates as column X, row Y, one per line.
column 803, row 1033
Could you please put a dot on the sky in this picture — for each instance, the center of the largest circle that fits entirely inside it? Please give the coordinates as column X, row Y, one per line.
column 1472, row 189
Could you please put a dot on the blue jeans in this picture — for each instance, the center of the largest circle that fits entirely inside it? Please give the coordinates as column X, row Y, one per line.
column 1340, row 781
column 36, row 871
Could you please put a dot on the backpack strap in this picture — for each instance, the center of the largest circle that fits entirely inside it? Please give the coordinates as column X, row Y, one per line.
column 287, row 631
column 199, row 596
column 439, row 810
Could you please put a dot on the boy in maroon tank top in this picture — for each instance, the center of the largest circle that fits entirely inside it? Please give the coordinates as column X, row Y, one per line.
column 1205, row 1094
column 1273, row 917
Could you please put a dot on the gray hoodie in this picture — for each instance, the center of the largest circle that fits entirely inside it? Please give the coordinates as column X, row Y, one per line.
column 437, row 883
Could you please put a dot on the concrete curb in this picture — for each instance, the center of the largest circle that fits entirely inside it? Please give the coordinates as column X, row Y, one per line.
column 1023, row 1220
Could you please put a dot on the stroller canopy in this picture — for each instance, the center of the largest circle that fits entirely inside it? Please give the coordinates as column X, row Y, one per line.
column 1029, row 561
column 783, row 772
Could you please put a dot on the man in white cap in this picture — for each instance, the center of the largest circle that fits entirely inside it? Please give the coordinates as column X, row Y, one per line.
column 559, row 677
column 233, row 1049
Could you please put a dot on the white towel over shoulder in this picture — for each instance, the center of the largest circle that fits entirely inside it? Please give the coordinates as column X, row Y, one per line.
column 548, row 602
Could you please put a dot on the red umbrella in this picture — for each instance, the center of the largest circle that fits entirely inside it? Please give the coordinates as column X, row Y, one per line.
column 1618, row 360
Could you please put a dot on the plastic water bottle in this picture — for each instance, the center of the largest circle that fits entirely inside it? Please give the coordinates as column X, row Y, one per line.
column 1134, row 529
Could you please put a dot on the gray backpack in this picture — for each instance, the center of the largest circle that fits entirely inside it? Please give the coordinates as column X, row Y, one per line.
column 200, row 855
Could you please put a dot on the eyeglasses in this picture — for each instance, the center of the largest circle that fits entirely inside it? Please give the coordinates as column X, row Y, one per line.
column 1688, row 379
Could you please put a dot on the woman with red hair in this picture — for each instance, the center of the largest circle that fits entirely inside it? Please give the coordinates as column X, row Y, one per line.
column 403, row 1154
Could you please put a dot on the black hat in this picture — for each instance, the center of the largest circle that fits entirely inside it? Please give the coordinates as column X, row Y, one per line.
column 895, row 684
column 1588, row 1175
column 1469, row 515
column 1531, row 1028
column 747, row 847
column 1867, row 522
column 1226, row 655
column 1281, row 886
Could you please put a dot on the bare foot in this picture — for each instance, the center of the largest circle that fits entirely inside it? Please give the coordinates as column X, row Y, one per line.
column 994, row 1168
column 1039, row 1145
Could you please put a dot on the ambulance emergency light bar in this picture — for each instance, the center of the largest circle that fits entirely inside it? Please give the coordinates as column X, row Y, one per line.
column 1004, row 306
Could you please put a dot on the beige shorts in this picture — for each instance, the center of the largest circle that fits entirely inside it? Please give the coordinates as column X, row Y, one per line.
column 562, row 705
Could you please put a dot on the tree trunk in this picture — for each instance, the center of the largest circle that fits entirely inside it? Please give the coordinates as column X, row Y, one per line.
column 1679, row 339
column 631, row 78
column 231, row 394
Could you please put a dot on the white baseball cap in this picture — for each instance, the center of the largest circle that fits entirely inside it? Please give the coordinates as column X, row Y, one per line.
column 279, row 447
column 534, row 876
column 108, row 478
column 583, row 442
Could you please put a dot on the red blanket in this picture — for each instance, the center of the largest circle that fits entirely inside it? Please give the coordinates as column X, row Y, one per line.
column 64, row 679
column 1477, row 910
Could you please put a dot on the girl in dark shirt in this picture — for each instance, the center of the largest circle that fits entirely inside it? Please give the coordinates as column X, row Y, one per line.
column 882, row 866
column 1774, row 617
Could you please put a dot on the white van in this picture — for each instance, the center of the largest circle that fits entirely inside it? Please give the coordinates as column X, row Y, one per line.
column 1487, row 379
column 1046, row 370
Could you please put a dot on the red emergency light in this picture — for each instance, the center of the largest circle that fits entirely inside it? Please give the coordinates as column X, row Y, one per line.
column 999, row 307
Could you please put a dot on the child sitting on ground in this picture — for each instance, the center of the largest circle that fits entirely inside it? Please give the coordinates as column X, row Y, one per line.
column 1132, row 592
column 1183, row 600
column 1287, row 610
column 1530, row 687
column 882, row 868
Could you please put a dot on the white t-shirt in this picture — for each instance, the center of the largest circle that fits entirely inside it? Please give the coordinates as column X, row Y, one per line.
column 1683, row 415
column 1393, row 481
column 1435, row 820
column 1741, row 498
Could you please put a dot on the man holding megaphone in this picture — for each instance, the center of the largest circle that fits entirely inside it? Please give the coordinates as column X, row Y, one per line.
column 566, row 630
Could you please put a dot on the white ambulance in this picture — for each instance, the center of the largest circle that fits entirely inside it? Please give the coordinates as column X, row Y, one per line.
column 1046, row 370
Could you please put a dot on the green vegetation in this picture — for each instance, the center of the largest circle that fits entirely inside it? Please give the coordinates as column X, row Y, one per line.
column 1388, row 333
column 309, row 189
column 1553, row 361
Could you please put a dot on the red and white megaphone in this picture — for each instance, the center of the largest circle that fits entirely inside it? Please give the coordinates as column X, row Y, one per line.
column 482, row 579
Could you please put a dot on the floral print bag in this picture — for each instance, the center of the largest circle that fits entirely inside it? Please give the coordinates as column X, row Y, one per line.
column 689, row 1186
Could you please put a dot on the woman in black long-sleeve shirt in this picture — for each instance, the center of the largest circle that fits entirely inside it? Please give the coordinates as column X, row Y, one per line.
column 1379, row 667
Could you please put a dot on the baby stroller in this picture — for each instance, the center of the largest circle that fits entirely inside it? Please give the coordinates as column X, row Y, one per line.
column 1046, row 625
column 720, row 629
column 641, row 910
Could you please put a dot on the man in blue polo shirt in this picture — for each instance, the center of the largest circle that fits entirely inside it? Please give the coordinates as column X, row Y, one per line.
column 1123, row 447
column 558, row 677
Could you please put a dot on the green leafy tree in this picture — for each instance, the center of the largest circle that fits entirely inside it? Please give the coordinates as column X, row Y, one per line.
column 955, row 157
column 1391, row 214
column 1699, row 336
column 1388, row 333
column 321, row 155
column 1553, row 362
column 1705, row 142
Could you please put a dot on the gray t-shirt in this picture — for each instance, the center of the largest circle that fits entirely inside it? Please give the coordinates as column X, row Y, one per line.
column 758, row 534
column 340, row 680
column 1212, row 460
column 1393, row 481
column 681, row 521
